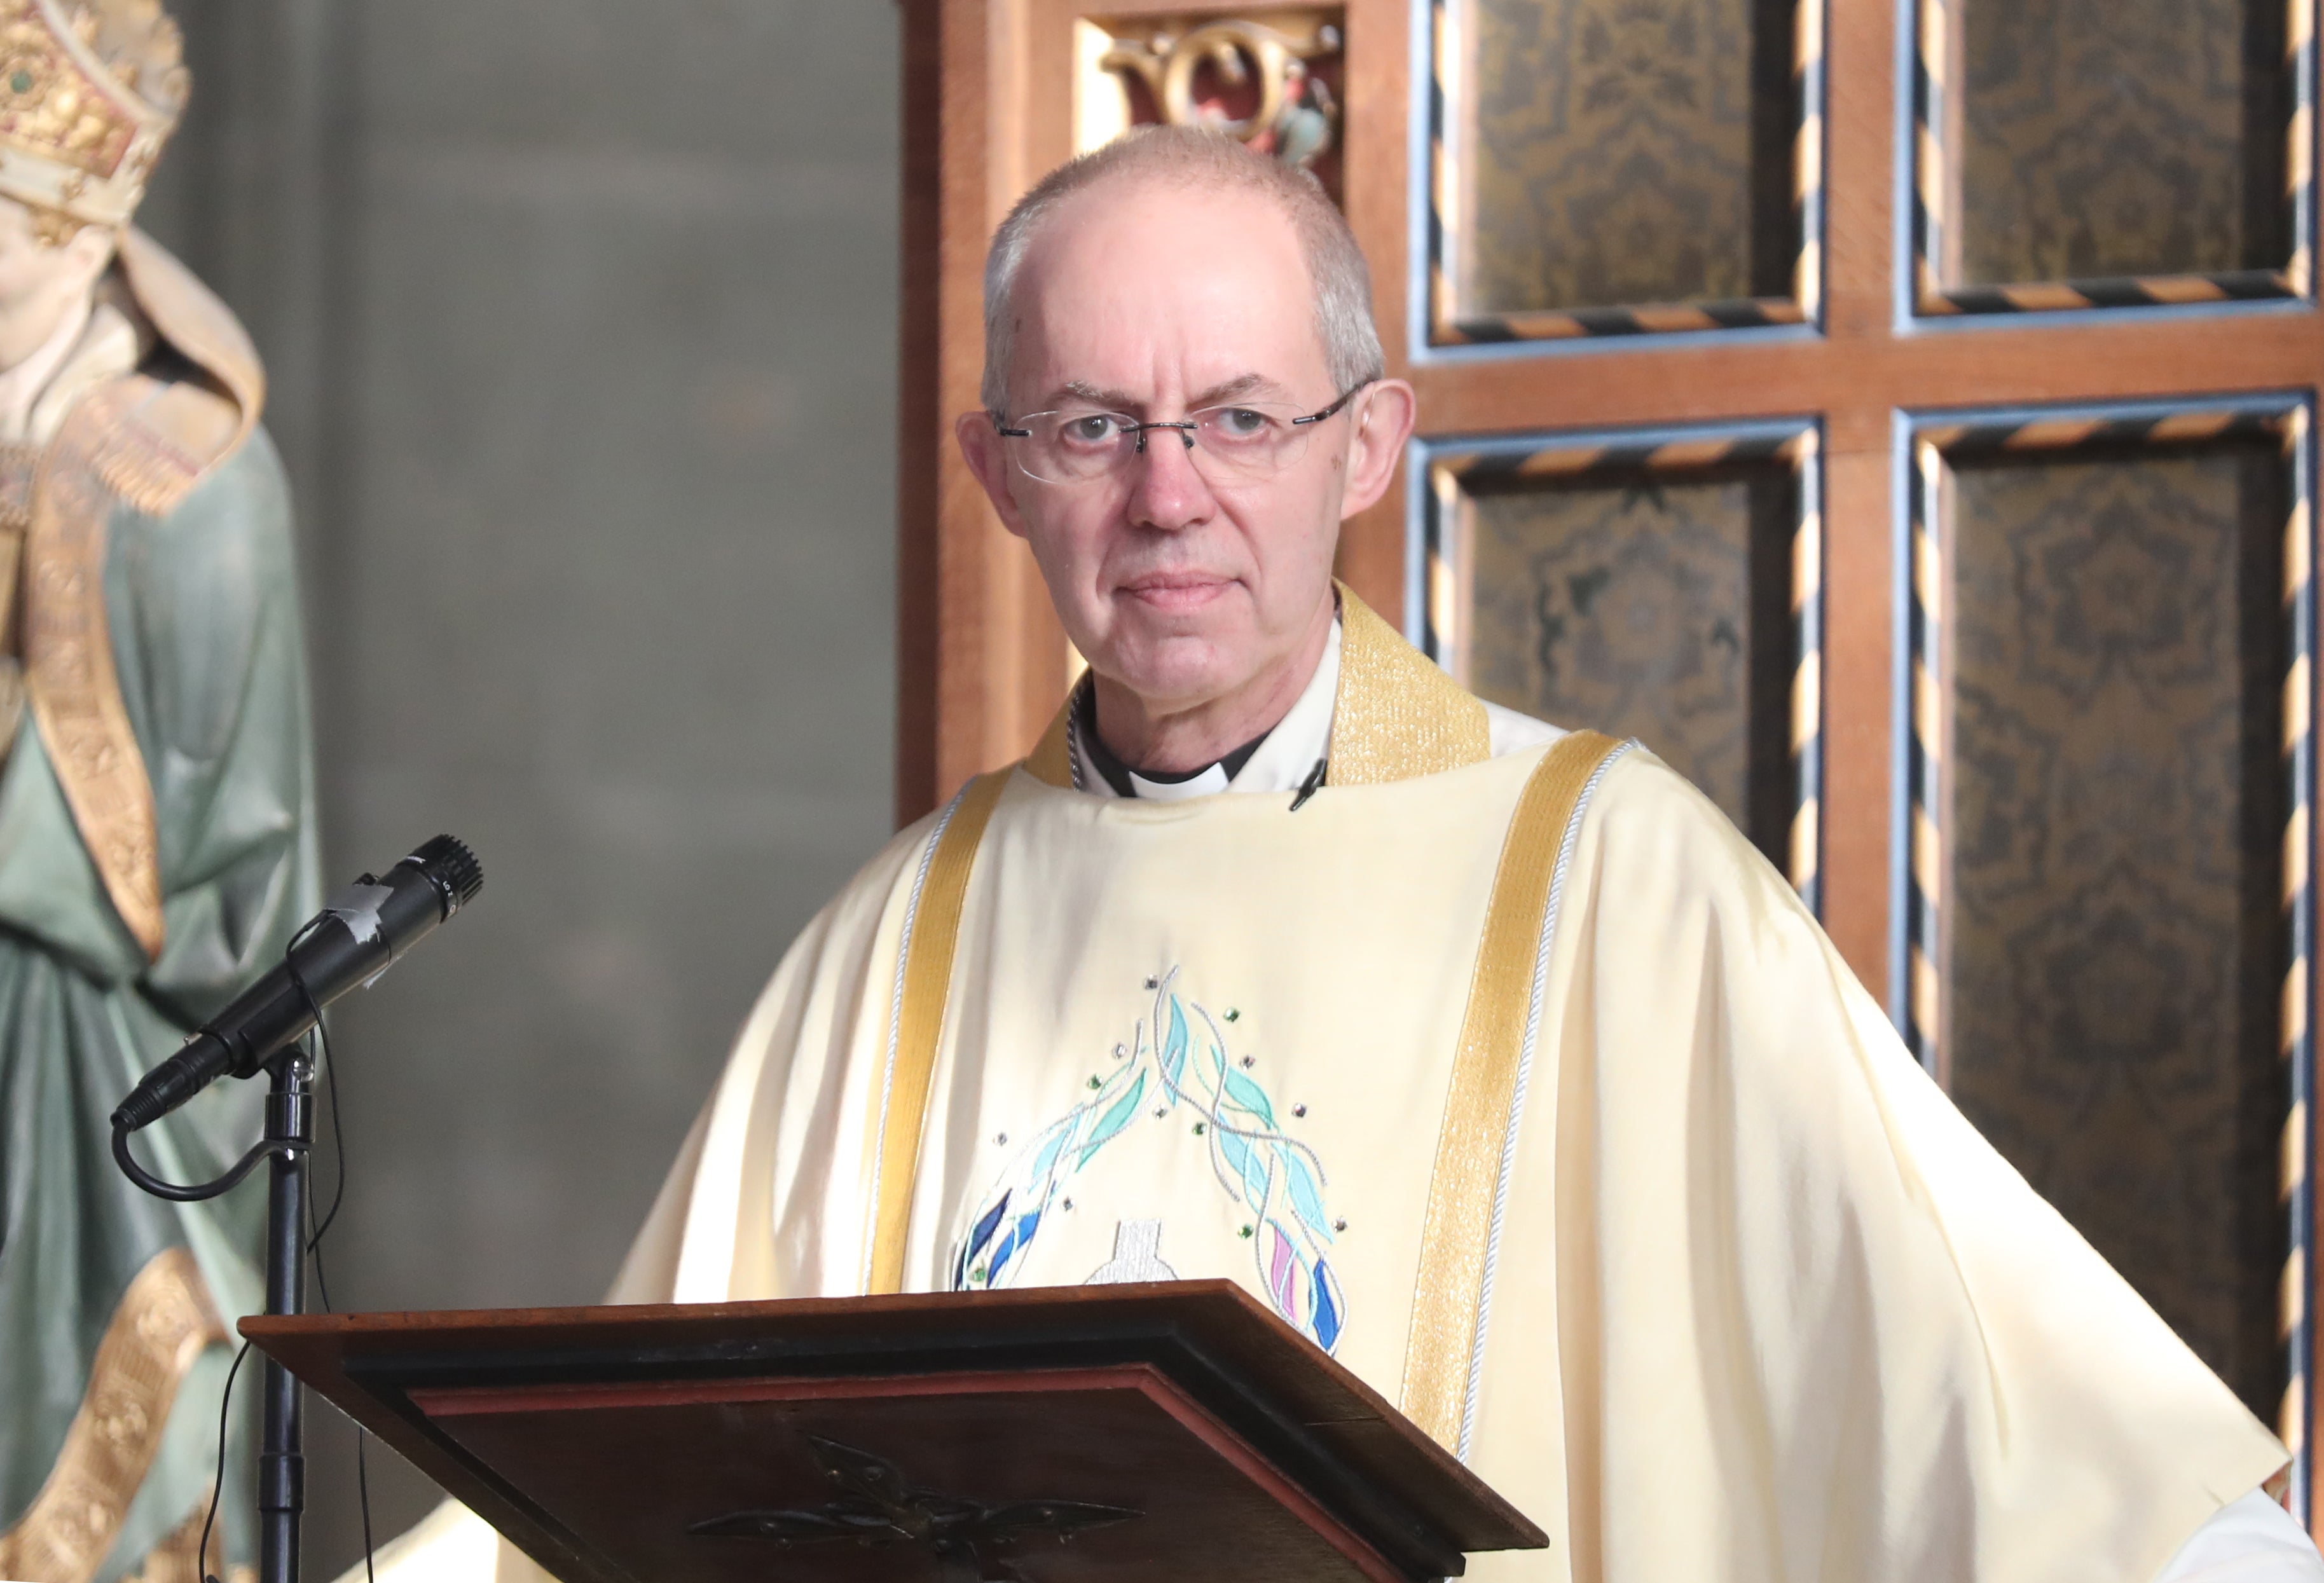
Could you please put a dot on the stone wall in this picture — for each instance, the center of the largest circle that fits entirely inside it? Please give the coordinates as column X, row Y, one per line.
column 581, row 318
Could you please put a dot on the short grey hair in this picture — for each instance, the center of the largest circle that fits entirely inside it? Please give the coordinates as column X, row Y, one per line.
column 1195, row 156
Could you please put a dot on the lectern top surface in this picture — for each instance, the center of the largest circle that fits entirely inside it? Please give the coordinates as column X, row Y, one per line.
column 1131, row 1434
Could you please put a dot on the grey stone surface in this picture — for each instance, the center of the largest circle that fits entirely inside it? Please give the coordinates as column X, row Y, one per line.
column 582, row 323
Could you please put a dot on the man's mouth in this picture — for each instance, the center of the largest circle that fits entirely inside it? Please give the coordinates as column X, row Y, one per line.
column 1175, row 593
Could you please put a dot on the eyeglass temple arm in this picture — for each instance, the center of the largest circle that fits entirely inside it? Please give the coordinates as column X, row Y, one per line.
column 1328, row 411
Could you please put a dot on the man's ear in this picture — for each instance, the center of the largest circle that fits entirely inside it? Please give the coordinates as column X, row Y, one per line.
column 987, row 455
column 1382, row 421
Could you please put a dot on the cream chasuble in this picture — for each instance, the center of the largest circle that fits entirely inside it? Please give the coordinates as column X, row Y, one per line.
column 1521, row 1084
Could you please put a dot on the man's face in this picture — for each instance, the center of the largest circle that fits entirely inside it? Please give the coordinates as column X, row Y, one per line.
column 1154, row 300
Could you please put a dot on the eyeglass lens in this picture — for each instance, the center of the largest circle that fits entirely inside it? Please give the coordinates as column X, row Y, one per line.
column 1233, row 442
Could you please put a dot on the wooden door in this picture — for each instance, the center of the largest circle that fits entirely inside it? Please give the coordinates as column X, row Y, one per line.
column 1898, row 413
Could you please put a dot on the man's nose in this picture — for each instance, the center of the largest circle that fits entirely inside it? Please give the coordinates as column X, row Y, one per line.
column 1166, row 490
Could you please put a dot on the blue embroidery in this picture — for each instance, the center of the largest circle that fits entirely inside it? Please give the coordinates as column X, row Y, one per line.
column 1179, row 1057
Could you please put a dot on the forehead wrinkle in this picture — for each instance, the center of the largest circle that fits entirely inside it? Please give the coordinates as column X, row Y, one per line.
column 1081, row 389
column 1242, row 384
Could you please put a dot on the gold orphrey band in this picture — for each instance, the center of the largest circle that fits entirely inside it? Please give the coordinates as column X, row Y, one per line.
column 931, row 937
column 1455, row 1242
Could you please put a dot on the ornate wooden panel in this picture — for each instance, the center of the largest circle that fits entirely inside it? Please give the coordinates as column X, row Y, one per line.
column 1657, row 586
column 2077, row 154
column 1603, row 167
column 2104, row 777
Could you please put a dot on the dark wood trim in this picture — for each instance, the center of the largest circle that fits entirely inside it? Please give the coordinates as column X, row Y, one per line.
column 917, row 417
column 981, row 658
column 1862, row 377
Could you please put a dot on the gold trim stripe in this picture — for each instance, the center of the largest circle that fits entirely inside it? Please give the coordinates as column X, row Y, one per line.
column 2191, row 426
column 1807, row 701
column 1807, row 845
column 2051, row 433
column 1455, row 1243
column 69, row 672
column 2293, row 1152
column 1397, row 715
column 932, row 938
column 163, row 1323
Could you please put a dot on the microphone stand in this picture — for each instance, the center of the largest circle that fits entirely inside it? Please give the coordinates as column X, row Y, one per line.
column 373, row 922
column 288, row 1137
column 281, row 1454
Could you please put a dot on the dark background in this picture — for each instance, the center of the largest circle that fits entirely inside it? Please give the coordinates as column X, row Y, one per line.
column 580, row 319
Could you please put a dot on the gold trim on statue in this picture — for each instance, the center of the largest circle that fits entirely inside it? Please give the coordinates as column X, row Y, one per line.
column 163, row 1323
column 69, row 670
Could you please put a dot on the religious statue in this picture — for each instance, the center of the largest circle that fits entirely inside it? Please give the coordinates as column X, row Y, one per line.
column 156, row 806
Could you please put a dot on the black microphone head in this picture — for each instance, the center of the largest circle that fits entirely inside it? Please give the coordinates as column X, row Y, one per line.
column 452, row 869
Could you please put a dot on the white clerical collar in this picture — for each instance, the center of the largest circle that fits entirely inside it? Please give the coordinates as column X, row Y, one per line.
column 1285, row 760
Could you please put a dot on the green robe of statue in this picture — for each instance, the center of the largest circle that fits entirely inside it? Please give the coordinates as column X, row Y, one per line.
column 126, row 920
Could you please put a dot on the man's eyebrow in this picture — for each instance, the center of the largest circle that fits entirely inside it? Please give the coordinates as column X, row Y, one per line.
column 1081, row 390
column 1242, row 384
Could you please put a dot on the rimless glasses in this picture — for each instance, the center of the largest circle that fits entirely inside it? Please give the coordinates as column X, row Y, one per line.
column 1238, row 442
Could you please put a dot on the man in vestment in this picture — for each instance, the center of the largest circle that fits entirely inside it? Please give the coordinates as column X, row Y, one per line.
column 156, row 807
column 1490, row 1056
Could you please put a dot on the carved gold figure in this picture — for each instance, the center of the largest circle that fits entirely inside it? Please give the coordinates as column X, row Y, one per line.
column 1293, row 113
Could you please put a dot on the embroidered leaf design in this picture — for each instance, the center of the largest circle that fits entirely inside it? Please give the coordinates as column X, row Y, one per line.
column 1325, row 1305
column 1259, row 1179
column 1237, row 1152
column 1304, row 1198
column 1058, row 1137
column 1174, row 1050
column 1249, row 1096
column 1282, row 1271
column 985, row 1226
column 1276, row 1181
column 1247, row 1163
column 1123, row 1110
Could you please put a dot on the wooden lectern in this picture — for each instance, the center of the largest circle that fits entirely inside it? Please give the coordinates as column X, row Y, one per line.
column 1112, row 1434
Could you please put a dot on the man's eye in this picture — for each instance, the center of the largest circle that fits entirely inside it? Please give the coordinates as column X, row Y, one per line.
column 1241, row 423
column 1093, row 430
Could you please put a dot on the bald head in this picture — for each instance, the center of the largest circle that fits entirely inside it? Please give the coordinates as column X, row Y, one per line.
column 1180, row 343
column 1190, row 159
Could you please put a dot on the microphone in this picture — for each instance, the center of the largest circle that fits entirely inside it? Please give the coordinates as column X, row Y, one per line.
column 357, row 937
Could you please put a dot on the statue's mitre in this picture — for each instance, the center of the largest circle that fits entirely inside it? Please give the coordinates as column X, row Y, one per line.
column 89, row 91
